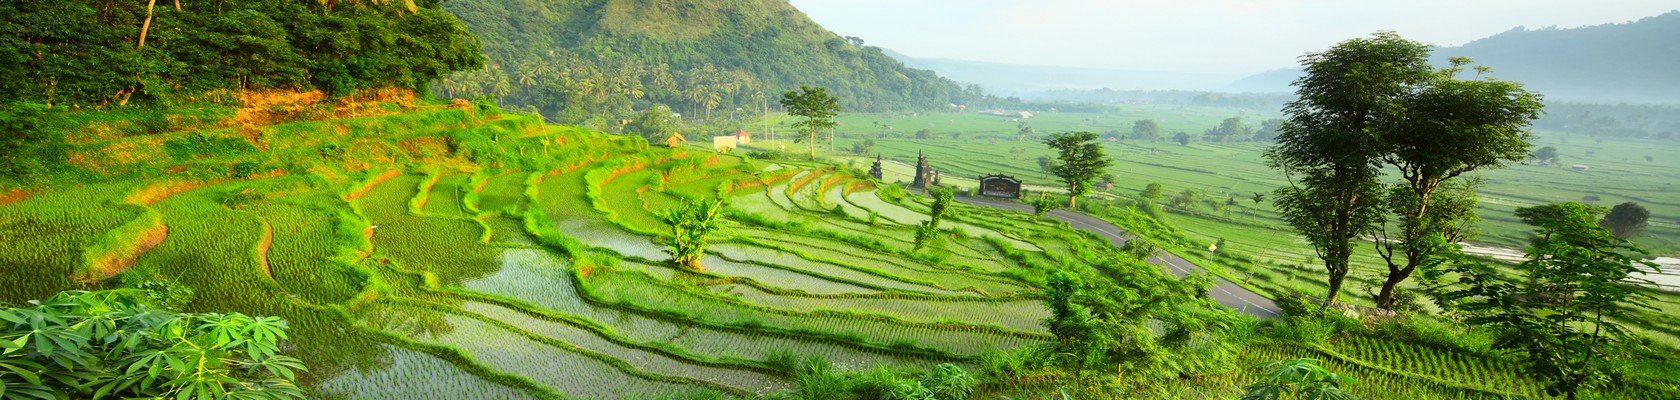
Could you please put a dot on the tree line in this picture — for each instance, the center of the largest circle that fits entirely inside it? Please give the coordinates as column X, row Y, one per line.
column 90, row 53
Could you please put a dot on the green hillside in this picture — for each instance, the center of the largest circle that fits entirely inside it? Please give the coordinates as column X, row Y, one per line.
column 595, row 61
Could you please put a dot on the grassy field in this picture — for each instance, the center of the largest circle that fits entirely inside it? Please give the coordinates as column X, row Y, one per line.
column 1617, row 171
column 467, row 253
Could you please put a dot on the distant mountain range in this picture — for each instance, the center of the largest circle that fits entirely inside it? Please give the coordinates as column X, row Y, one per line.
column 1633, row 62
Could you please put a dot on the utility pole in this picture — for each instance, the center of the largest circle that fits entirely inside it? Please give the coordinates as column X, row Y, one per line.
column 767, row 115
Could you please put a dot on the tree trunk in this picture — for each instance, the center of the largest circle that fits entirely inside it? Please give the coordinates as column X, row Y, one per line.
column 1412, row 232
column 145, row 26
column 177, row 5
column 1072, row 199
column 811, row 143
column 1336, row 276
column 1385, row 299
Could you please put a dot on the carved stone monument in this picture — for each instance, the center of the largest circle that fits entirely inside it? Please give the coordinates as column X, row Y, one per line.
column 924, row 175
column 875, row 170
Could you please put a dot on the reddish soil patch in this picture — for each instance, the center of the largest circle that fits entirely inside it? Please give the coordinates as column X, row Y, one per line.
column 118, row 260
column 859, row 185
column 621, row 171
column 426, row 191
column 262, row 249
column 362, row 191
column 13, row 196
column 156, row 192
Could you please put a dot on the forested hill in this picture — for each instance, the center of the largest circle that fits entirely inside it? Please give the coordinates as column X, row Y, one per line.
column 1633, row 62
column 593, row 61
column 88, row 53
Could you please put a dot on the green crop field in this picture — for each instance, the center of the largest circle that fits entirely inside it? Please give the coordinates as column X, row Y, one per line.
column 1259, row 250
column 466, row 253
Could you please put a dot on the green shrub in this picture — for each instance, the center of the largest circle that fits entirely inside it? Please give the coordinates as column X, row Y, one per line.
column 95, row 344
column 948, row 382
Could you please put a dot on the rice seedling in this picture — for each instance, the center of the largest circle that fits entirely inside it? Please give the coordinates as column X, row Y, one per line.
column 404, row 373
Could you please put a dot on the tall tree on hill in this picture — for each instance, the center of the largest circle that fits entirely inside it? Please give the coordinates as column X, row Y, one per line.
column 1268, row 130
column 1561, row 312
column 1450, row 127
column 1082, row 160
column 1146, row 129
column 1152, row 192
column 654, row 124
column 1626, row 220
column 1330, row 147
column 1545, row 156
column 817, row 107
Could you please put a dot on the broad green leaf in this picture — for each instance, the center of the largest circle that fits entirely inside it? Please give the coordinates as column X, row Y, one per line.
column 12, row 317
column 27, row 375
column 43, row 345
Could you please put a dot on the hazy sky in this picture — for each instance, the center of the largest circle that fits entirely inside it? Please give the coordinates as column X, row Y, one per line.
column 1214, row 36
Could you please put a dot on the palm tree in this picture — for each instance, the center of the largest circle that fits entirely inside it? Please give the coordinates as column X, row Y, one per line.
column 711, row 101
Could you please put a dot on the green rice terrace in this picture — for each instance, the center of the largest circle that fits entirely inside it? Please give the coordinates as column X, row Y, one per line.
column 422, row 249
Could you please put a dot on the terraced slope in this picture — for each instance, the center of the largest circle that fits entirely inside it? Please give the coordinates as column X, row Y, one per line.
column 535, row 267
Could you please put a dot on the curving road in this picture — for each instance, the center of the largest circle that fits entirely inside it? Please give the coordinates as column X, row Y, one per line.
column 1223, row 291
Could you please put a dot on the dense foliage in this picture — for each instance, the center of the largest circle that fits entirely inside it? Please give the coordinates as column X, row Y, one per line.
column 816, row 107
column 594, row 61
column 95, row 52
column 1367, row 103
column 692, row 224
column 1562, row 313
column 1297, row 379
column 1328, row 147
column 111, row 344
column 1082, row 160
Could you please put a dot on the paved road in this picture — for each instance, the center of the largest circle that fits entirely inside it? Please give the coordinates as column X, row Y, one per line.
column 1223, row 291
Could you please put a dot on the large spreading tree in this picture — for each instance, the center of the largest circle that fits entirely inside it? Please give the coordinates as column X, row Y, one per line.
column 1082, row 161
column 1450, row 127
column 1626, row 220
column 1330, row 146
column 817, row 107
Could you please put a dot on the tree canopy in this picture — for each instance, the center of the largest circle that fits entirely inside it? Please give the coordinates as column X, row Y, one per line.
column 1626, row 220
column 1082, row 161
column 654, row 124
column 90, row 52
column 1450, row 127
column 1146, row 129
column 1330, row 147
column 1563, row 311
column 818, row 109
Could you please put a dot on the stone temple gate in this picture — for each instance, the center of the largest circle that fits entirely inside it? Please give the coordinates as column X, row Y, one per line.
column 1000, row 186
